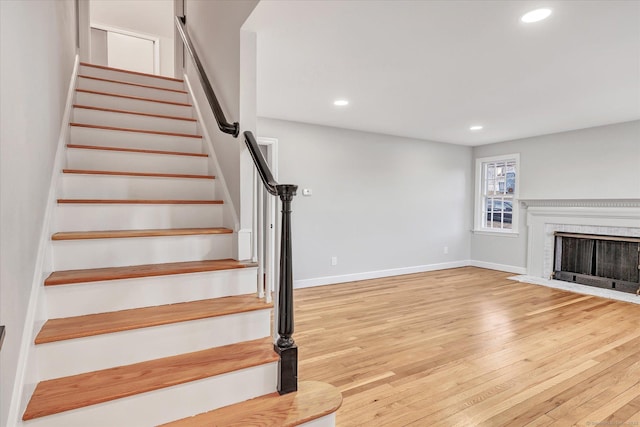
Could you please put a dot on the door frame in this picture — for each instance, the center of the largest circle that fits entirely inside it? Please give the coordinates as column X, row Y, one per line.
column 271, row 244
column 83, row 31
column 179, row 58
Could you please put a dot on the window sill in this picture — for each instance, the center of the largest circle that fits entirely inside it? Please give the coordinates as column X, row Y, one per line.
column 484, row 232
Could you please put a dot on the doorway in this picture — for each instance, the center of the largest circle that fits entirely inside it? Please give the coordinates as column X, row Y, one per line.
column 117, row 48
column 266, row 244
column 111, row 33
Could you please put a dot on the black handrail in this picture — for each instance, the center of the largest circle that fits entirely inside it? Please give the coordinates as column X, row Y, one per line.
column 223, row 124
column 1, row 336
column 285, row 345
column 261, row 164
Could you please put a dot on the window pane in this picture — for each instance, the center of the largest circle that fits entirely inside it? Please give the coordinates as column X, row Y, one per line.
column 511, row 178
column 491, row 187
column 490, row 171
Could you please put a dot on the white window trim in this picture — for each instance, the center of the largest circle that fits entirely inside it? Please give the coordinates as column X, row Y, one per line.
column 477, row 205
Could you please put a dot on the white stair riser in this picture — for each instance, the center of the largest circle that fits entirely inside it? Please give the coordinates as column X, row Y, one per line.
column 140, row 106
column 97, row 253
column 137, row 140
column 326, row 421
column 172, row 403
column 71, row 357
column 89, row 186
column 88, row 159
column 114, row 295
column 128, row 77
column 133, row 121
column 90, row 217
column 131, row 90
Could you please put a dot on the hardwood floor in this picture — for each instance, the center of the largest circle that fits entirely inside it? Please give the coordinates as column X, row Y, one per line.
column 468, row 347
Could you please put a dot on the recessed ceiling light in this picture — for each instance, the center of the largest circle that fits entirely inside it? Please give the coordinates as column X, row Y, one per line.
column 340, row 102
column 476, row 127
column 536, row 15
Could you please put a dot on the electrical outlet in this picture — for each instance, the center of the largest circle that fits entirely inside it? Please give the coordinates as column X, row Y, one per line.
column 445, row 250
column 334, row 260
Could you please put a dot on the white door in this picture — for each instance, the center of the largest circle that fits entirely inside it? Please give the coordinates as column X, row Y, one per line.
column 130, row 52
column 122, row 49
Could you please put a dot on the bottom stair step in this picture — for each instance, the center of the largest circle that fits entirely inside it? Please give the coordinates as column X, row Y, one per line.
column 79, row 391
column 312, row 401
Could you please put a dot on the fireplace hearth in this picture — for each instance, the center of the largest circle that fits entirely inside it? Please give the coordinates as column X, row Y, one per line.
column 604, row 261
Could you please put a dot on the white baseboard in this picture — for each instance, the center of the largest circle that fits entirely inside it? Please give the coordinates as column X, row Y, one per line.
column 330, row 280
column 499, row 267
column 27, row 369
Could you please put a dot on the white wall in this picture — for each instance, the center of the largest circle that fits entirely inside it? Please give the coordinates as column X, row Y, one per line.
column 596, row 163
column 153, row 18
column 215, row 29
column 379, row 202
column 37, row 45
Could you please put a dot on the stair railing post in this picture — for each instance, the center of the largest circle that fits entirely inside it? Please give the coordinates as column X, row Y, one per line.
column 285, row 345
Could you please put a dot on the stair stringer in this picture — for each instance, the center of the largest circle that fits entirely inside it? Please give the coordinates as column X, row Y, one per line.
column 230, row 216
column 27, row 375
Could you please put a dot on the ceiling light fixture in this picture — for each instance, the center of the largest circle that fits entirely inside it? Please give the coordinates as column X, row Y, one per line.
column 476, row 127
column 340, row 102
column 535, row 15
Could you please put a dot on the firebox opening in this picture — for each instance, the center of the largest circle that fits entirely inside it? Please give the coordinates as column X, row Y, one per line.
column 596, row 260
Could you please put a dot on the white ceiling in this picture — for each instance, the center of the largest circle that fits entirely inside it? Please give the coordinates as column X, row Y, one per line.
column 431, row 69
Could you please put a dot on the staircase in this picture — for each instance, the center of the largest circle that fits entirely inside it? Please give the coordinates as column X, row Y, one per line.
column 151, row 321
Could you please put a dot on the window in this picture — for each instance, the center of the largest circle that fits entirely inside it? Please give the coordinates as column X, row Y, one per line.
column 496, row 194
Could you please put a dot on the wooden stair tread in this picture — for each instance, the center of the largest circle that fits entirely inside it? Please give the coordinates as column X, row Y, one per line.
column 142, row 202
column 138, row 98
column 118, row 234
column 124, row 320
column 314, row 399
column 137, row 113
column 77, row 391
column 86, row 64
column 153, row 132
column 135, row 150
column 146, row 270
column 130, row 83
column 146, row 174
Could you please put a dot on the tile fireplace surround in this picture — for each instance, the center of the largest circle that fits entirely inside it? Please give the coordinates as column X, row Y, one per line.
column 610, row 217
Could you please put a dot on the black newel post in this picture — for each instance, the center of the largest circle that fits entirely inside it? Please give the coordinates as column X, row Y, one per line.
column 285, row 346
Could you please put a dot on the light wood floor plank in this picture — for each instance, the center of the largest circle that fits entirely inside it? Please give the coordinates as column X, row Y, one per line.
column 469, row 347
column 606, row 414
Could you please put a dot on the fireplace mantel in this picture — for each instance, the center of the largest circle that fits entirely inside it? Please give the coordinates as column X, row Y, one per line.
column 619, row 217
column 581, row 203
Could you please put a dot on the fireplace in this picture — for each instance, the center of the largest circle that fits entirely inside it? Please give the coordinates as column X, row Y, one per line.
column 604, row 261
column 602, row 217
